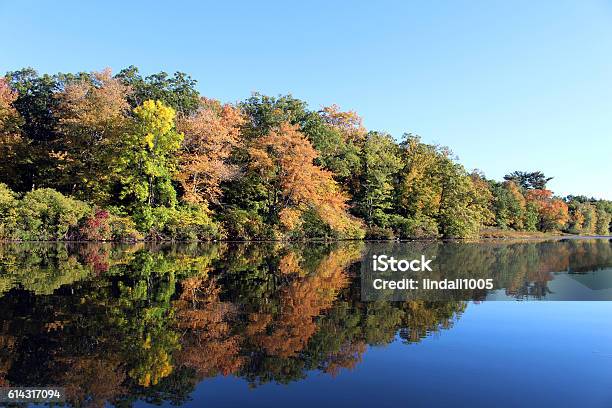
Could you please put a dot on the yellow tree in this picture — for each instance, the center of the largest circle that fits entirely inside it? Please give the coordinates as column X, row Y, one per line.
column 147, row 163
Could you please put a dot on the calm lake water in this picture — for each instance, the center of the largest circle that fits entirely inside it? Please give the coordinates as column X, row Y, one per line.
column 266, row 325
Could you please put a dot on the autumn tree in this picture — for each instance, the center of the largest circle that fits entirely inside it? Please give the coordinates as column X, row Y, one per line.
column 576, row 218
column 588, row 216
column 11, row 142
column 342, row 149
column 483, row 197
column 147, row 164
column 329, row 134
column 338, row 152
column 463, row 209
column 553, row 213
column 419, row 188
column 211, row 134
column 248, row 212
column 92, row 119
column 348, row 122
column 284, row 162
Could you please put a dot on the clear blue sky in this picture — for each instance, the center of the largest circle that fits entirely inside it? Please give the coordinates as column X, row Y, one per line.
column 508, row 85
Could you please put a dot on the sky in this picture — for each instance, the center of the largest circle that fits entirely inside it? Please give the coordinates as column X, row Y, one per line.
column 507, row 85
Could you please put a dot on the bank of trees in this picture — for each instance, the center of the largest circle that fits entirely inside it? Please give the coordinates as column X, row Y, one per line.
column 109, row 157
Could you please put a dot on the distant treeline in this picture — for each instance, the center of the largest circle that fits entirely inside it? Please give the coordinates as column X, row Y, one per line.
column 92, row 156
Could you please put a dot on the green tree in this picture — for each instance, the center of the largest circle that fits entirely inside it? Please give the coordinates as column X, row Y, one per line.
column 589, row 214
column 509, row 205
column 437, row 194
column 177, row 91
column 380, row 163
column 36, row 104
column 461, row 214
column 602, row 227
column 8, row 212
column 45, row 214
column 529, row 180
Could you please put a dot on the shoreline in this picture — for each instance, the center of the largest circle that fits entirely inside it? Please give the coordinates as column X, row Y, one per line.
column 510, row 237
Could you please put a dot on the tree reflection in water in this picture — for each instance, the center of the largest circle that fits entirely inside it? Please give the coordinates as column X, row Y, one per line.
column 120, row 323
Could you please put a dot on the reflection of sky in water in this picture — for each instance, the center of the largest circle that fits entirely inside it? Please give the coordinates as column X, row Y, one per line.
column 499, row 354
column 260, row 314
column 594, row 285
column 569, row 269
column 598, row 280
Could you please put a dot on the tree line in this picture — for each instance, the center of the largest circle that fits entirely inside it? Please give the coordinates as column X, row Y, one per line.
column 97, row 156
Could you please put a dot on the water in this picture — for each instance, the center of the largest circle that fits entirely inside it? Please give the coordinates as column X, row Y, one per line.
column 275, row 325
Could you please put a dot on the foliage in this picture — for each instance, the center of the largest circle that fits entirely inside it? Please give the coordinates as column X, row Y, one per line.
column 147, row 164
column 177, row 91
column 96, row 227
column 553, row 213
column 432, row 187
column 380, row 164
column 8, row 212
column 604, row 217
column 92, row 119
column 338, row 152
column 35, row 103
column 246, row 225
column 529, row 180
column 179, row 223
column 149, row 322
column 123, row 228
column 105, row 226
column 375, row 233
column 159, row 161
column 211, row 134
column 291, row 184
column 46, row 214
column 510, row 207
column 461, row 212
column 416, row 227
